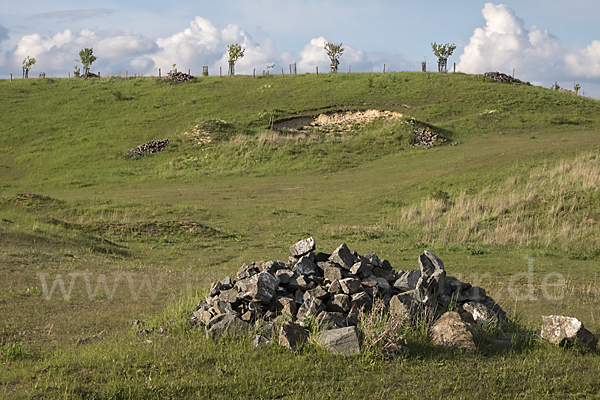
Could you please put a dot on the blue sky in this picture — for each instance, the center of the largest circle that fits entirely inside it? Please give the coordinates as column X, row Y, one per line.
column 544, row 40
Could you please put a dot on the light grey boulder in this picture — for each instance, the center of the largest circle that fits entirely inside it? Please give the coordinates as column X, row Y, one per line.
column 373, row 260
column 331, row 271
column 332, row 320
column 451, row 332
column 374, row 281
column 303, row 247
column 558, row 328
column 342, row 341
column 229, row 296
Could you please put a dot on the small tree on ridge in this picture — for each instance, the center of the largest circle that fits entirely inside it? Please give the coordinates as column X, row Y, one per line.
column 442, row 52
column 235, row 53
column 334, row 52
column 87, row 58
column 27, row 64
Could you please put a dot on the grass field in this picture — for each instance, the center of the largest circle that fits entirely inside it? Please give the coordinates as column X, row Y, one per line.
column 514, row 190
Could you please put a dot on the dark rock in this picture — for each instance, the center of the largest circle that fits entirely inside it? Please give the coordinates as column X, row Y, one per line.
column 258, row 288
column 260, row 340
column 226, row 324
column 361, row 268
column 433, row 275
column 305, row 266
column 292, row 335
column 408, row 280
column 339, row 303
column 335, row 287
column 389, row 276
column 350, row 285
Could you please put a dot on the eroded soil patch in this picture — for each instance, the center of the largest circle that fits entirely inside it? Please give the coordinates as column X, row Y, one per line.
column 344, row 121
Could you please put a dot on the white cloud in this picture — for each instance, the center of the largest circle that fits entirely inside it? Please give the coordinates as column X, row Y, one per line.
column 584, row 62
column 504, row 44
column 56, row 54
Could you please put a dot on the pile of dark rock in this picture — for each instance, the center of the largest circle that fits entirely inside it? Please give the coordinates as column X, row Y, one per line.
column 151, row 147
column 332, row 289
column 179, row 77
column 500, row 77
column 424, row 138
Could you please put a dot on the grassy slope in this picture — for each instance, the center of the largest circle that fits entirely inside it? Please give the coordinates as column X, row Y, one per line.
column 67, row 140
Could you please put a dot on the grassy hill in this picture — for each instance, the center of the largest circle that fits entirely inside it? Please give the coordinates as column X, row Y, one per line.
column 518, row 176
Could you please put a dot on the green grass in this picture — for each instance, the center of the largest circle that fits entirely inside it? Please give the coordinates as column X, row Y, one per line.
column 74, row 203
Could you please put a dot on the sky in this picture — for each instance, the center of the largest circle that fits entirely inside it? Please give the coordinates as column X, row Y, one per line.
column 544, row 41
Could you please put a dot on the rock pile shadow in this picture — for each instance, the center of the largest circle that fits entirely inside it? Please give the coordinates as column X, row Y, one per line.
column 332, row 289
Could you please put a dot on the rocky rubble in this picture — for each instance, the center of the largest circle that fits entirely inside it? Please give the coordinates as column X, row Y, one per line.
column 424, row 138
column 179, row 77
column 151, row 147
column 331, row 290
column 500, row 77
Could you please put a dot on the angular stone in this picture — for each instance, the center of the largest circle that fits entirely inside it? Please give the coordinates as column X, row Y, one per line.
column 556, row 328
column 317, row 292
column 350, row 285
column 373, row 260
column 408, row 280
column 374, row 281
column 332, row 320
column 222, row 307
column 227, row 324
column 202, row 315
column 341, row 341
column 360, row 300
column 215, row 289
column 246, row 271
column 258, row 288
column 339, row 303
column 303, row 247
column 401, row 306
column 362, row 269
column 226, row 283
column 475, row 294
column 305, row 266
column 331, row 272
column 343, row 256
column 433, row 275
column 229, row 296
column 310, row 308
column 298, row 282
column 481, row 313
column 389, row 276
column 260, row 340
column 292, row 335
column 284, row 276
column 451, row 332
column 335, row 287
column 287, row 306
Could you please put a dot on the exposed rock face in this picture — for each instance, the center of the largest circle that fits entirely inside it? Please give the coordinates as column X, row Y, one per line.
column 451, row 332
column 302, row 247
column 151, row 147
column 557, row 328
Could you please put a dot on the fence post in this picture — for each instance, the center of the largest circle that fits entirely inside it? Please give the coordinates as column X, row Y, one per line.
column 384, row 68
column 220, row 72
column 98, row 75
column 125, row 74
column 11, row 77
column 454, row 67
column 159, row 73
column 317, row 70
column 69, row 76
column 189, row 73
column 254, row 72
column 349, row 68
column 282, row 72
column 513, row 73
